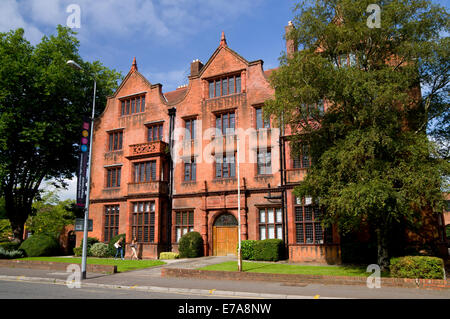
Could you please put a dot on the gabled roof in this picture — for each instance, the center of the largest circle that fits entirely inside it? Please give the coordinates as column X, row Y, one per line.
column 176, row 95
column 222, row 46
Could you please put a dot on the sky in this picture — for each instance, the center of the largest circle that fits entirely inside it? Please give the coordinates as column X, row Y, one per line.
column 165, row 36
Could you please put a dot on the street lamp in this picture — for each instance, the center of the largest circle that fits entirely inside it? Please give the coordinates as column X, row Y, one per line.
column 239, row 204
column 76, row 66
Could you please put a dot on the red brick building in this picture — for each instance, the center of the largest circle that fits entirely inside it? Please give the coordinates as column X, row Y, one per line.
column 154, row 181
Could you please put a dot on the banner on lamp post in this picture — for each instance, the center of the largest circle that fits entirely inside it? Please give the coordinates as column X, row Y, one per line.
column 82, row 165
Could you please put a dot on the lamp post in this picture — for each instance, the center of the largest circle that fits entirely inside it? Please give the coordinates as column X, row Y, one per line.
column 239, row 204
column 76, row 66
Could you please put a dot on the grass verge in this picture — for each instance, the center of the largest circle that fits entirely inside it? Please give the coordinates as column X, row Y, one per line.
column 122, row 265
column 274, row 268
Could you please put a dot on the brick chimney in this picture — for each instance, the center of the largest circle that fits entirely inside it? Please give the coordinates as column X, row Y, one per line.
column 196, row 66
column 291, row 45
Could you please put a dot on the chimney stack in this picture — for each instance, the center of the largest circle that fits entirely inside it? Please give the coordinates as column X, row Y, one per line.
column 196, row 66
column 291, row 45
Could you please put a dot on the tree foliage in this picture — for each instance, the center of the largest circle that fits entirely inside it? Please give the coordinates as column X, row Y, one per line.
column 50, row 215
column 42, row 106
column 372, row 159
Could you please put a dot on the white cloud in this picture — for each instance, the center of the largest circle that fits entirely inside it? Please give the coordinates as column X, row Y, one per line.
column 167, row 20
column 11, row 18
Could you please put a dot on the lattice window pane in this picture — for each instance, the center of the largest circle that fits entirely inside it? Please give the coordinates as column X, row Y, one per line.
column 271, row 230
column 262, row 232
column 299, row 233
column 270, row 216
column 308, row 213
column 262, row 215
column 279, row 216
column 279, row 232
column 319, row 233
column 309, row 233
column 298, row 213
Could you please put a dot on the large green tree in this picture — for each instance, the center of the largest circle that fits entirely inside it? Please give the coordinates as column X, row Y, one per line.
column 42, row 106
column 373, row 163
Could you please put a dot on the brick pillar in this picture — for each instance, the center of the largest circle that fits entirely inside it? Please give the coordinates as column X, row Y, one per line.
column 243, row 81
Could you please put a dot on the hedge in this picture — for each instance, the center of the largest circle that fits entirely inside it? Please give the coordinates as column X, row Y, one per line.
column 99, row 250
column 78, row 251
column 11, row 254
column 191, row 245
column 247, row 249
column 268, row 250
column 417, row 267
column 9, row 245
column 169, row 255
column 40, row 245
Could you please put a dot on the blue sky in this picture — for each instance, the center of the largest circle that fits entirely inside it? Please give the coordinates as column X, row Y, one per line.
column 164, row 35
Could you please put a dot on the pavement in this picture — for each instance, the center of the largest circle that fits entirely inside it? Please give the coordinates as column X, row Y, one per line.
column 150, row 280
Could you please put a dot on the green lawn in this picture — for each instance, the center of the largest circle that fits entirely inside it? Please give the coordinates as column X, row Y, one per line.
column 122, row 265
column 293, row 269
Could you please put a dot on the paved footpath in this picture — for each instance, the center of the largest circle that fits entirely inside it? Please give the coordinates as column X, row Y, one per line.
column 150, row 280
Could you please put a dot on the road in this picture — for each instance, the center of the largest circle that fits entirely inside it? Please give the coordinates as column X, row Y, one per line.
column 31, row 290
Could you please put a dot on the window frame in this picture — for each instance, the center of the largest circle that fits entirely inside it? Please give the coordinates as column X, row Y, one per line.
column 138, row 221
column 113, row 176
column 112, row 143
column 266, row 222
column 111, row 212
column 141, row 174
column 192, row 176
column 183, row 224
column 129, row 105
column 314, row 222
column 217, row 84
column 226, row 117
column 230, row 166
column 265, row 123
column 192, row 123
column 267, row 168
column 159, row 130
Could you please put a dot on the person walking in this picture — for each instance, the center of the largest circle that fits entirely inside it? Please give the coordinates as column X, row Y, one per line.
column 133, row 247
column 119, row 248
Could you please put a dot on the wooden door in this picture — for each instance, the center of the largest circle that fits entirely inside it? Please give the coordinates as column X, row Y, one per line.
column 225, row 240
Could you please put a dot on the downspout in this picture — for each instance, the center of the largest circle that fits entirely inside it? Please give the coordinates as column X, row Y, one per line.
column 172, row 114
column 283, row 187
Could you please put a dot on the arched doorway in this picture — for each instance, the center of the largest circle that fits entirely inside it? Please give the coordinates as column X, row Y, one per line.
column 71, row 242
column 225, row 235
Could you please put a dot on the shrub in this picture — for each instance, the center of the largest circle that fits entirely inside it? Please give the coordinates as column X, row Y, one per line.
column 268, row 250
column 78, row 251
column 9, row 245
column 247, row 249
column 191, row 245
column 169, row 255
column 99, row 250
column 40, row 245
column 11, row 254
column 417, row 267
column 111, row 248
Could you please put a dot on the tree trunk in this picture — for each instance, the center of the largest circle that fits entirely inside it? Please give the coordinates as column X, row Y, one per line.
column 382, row 251
column 17, row 215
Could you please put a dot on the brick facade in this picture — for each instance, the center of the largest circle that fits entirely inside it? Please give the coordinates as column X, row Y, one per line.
column 205, row 197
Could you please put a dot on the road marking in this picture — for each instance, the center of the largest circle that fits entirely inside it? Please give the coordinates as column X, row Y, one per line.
column 316, row 296
column 212, row 291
